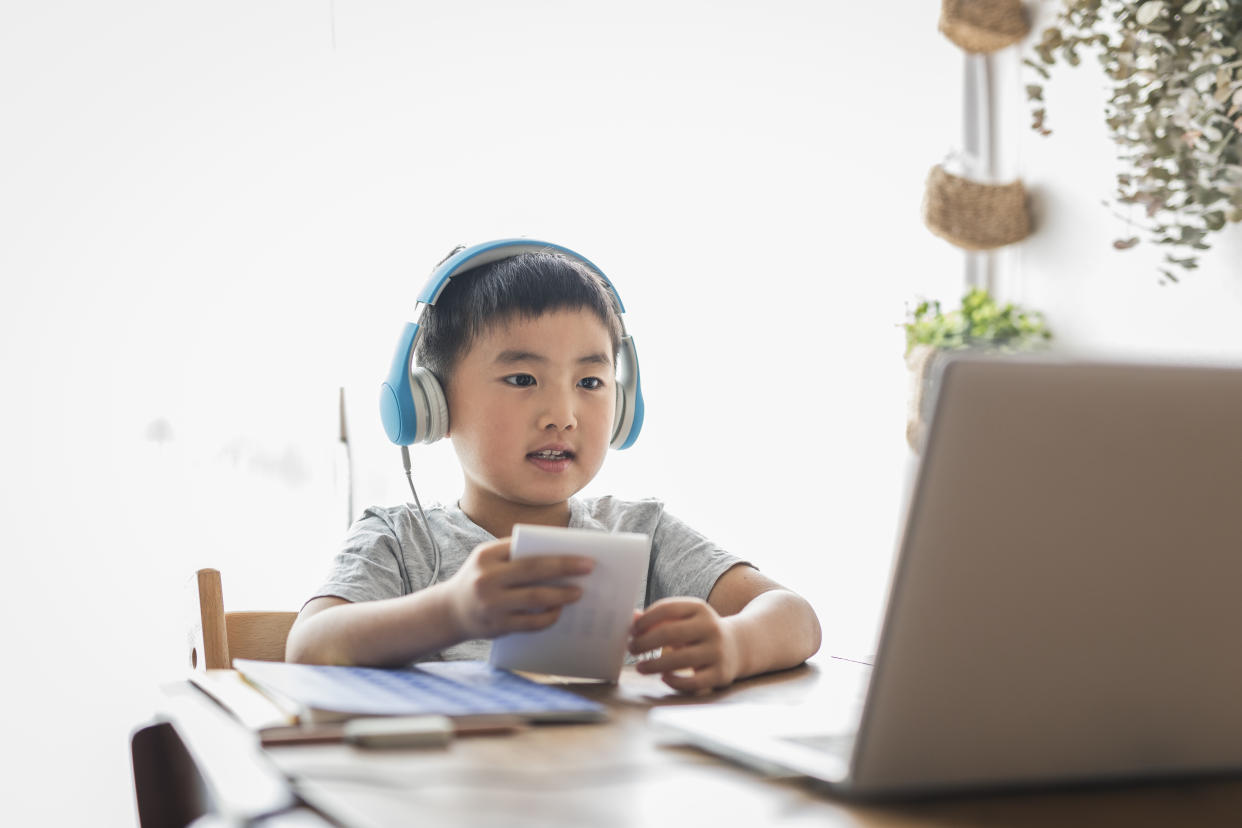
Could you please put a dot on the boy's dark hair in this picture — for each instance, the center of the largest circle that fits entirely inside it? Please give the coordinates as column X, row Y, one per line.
column 526, row 285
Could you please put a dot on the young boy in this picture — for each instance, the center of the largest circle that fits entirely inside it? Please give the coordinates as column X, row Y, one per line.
column 526, row 350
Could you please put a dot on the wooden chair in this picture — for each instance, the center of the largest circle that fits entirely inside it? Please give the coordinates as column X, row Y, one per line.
column 219, row 637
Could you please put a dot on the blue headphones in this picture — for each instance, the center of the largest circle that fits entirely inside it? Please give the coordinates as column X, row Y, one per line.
column 412, row 403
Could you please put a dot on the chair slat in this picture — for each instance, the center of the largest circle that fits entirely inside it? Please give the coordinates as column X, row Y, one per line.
column 258, row 635
column 226, row 636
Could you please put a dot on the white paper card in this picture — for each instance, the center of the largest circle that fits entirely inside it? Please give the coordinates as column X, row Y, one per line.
column 589, row 638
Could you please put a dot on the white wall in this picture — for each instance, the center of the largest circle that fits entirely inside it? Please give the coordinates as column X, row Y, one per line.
column 214, row 215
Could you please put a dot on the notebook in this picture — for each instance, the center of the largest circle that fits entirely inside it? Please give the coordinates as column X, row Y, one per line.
column 458, row 689
column 589, row 638
column 1064, row 605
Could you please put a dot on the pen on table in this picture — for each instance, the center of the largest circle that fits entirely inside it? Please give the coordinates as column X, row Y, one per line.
column 396, row 731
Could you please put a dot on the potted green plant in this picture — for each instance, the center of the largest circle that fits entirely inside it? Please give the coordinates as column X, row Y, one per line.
column 980, row 324
column 1174, row 110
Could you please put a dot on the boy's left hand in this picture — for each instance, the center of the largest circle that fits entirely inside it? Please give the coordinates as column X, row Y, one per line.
column 699, row 651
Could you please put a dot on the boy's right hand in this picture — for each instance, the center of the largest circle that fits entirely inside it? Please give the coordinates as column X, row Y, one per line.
column 492, row 594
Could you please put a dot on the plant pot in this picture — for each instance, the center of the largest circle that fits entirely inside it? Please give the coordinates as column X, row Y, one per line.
column 974, row 215
column 920, row 361
column 983, row 25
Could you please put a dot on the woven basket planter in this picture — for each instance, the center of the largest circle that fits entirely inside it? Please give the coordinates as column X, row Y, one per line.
column 983, row 25
column 974, row 215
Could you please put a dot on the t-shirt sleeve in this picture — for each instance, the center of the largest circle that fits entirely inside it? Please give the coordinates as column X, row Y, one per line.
column 367, row 566
column 684, row 562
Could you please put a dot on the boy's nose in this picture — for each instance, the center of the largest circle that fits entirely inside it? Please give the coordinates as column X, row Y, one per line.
column 558, row 414
column 562, row 423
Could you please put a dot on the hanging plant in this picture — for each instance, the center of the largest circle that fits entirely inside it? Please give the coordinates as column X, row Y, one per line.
column 1174, row 110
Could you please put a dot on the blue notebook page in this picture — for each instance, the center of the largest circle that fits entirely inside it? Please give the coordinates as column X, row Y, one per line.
column 447, row 688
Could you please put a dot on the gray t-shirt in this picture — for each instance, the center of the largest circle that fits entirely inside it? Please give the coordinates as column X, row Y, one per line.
column 387, row 553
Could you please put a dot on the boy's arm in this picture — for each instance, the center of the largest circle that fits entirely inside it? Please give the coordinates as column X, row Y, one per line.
column 489, row 596
column 775, row 627
column 749, row 625
column 331, row 630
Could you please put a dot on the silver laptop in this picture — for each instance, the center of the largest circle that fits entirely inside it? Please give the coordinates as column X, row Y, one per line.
column 1066, row 600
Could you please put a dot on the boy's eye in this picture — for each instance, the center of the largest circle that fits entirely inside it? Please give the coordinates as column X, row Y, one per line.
column 591, row 383
column 520, row 380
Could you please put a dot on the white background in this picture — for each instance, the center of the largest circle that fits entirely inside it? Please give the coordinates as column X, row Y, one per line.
column 214, row 215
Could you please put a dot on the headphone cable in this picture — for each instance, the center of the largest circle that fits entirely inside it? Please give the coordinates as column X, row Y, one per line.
column 405, row 461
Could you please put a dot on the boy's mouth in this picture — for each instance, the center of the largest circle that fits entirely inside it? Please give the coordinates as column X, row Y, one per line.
column 551, row 460
column 551, row 454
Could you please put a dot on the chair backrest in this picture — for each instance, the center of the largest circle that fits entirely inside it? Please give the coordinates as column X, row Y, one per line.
column 229, row 635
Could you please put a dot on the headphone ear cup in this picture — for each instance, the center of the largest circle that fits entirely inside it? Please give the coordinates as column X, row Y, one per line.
column 439, row 410
column 431, row 405
column 630, row 410
column 618, row 416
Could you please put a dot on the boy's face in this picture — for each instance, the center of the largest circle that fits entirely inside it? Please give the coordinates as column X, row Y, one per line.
column 531, row 405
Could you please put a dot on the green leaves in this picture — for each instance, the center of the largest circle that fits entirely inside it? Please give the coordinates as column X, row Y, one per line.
column 979, row 323
column 1174, row 108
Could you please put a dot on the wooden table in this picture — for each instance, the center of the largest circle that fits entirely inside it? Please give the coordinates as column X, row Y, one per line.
column 621, row 774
